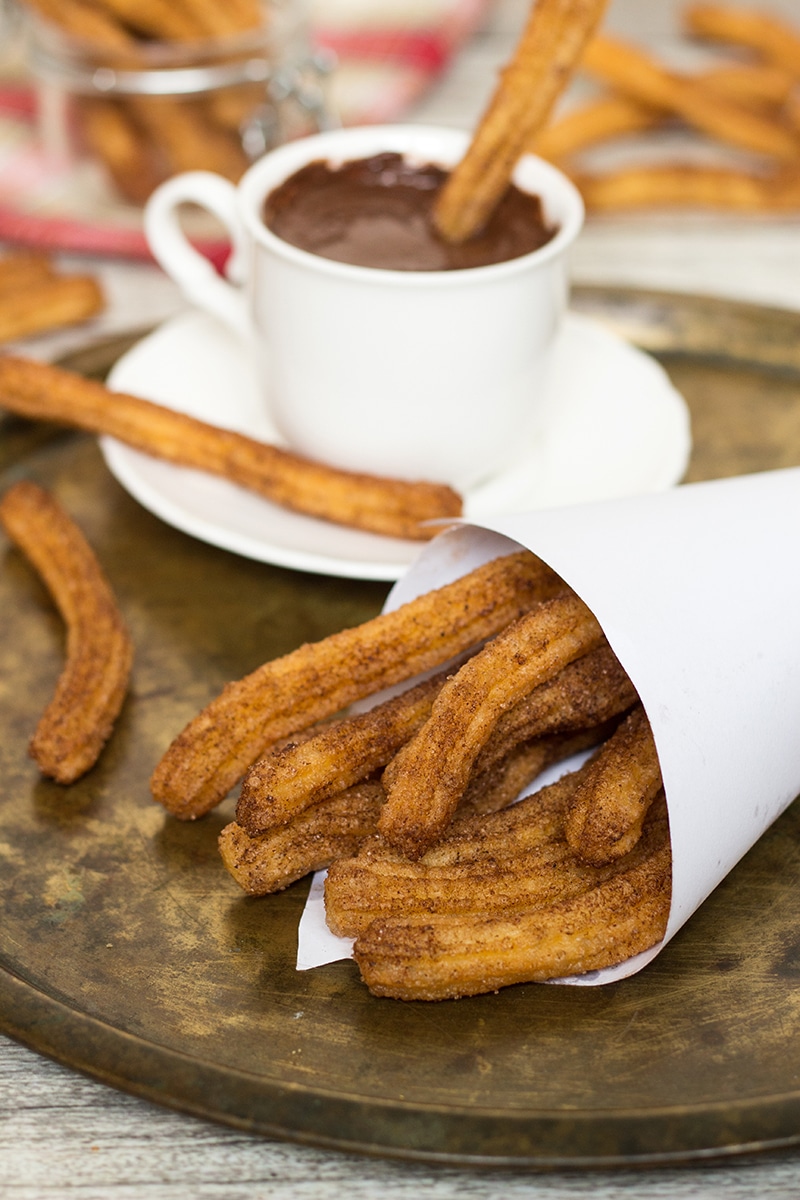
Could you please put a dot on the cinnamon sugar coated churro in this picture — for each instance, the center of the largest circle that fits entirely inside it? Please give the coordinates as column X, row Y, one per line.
column 423, row 795
column 92, row 686
column 551, row 44
column 606, row 813
column 36, row 297
column 393, row 507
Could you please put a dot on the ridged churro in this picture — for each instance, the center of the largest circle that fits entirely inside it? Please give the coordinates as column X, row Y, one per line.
column 392, row 507
column 448, row 955
column 93, row 683
column 316, row 837
column 630, row 70
column 777, row 40
column 51, row 302
column 319, row 679
column 551, row 44
column 688, row 185
column 608, row 809
column 424, row 794
column 295, row 776
column 750, row 85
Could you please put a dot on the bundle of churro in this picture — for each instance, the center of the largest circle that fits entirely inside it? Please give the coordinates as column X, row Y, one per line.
column 676, row 672
column 747, row 101
column 409, row 802
column 148, row 121
column 36, row 297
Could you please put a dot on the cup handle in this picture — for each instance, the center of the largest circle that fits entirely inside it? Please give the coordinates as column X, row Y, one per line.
column 194, row 274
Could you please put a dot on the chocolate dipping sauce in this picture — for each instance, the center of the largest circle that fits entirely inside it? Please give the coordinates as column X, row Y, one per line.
column 376, row 212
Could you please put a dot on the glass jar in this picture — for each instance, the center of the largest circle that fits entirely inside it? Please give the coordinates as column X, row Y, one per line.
column 141, row 109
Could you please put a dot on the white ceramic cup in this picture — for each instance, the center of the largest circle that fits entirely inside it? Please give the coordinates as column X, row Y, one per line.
column 435, row 375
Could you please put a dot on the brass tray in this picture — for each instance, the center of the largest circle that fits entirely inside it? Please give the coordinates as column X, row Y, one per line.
column 127, row 952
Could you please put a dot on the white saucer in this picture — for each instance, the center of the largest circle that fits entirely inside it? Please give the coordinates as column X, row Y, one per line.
column 618, row 428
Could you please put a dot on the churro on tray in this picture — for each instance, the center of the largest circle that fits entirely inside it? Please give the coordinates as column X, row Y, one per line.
column 36, row 297
column 396, row 508
column 92, row 686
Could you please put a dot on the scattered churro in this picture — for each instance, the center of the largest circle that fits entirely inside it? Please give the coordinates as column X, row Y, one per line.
column 49, row 304
column 635, row 73
column 606, row 117
column 546, row 56
column 775, row 39
column 677, row 185
column 424, row 794
column 92, row 686
column 318, row 680
column 609, row 806
column 393, row 507
column 739, row 118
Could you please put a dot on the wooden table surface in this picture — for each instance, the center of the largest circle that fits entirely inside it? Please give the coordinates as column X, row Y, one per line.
column 64, row 1135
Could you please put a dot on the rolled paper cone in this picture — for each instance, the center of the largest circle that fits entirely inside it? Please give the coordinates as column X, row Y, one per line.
column 698, row 592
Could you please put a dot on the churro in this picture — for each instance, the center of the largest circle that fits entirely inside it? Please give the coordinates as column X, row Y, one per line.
column 609, row 806
column 548, row 52
column 777, row 40
column 91, row 688
column 48, row 303
column 424, row 794
column 295, row 776
column 750, row 85
column 687, row 185
column 316, row 837
column 630, row 70
column 393, row 507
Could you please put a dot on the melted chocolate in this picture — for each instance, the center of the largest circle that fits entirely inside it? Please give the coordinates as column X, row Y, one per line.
column 376, row 212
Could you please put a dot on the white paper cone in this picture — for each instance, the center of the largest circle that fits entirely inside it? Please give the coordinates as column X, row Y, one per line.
column 698, row 592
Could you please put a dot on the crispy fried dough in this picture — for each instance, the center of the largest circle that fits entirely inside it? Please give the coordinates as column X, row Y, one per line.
column 690, row 186
column 548, row 51
column 424, row 794
column 21, row 268
column 584, row 695
column 445, row 956
column 373, row 885
column 333, row 829
column 749, row 28
column 52, row 302
column 610, row 804
column 633, row 72
column 319, row 679
column 386, row 506
column 92, row 686
column 749, row 84
column 295, row 776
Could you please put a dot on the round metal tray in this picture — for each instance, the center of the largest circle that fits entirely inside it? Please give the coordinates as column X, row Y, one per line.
column 126, row 950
